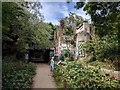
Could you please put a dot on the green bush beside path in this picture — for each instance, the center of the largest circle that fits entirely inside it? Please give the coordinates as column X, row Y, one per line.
column 79, row 75
column 17, row 74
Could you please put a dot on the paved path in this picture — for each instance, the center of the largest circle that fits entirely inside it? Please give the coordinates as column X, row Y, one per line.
column 43, row 77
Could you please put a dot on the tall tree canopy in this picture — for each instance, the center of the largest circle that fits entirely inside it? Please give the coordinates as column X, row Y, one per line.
column 54, row 27
column 70, row 22
column 22, row 24
column 106, row 19
column 105, row 16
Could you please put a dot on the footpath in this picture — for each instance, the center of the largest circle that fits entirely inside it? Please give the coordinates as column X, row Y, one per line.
column 43, row 77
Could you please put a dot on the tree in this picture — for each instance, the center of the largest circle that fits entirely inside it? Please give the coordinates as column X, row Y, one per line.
column 13, row 14
column 105, row 17
column 70, row 23
column 22, row 24
column 42, row 34
column 73, row 20
column 53, row 27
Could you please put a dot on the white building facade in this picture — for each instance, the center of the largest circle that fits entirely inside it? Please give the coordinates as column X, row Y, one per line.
column 83, row 34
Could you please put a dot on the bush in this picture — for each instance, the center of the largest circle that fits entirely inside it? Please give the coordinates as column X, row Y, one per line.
column 66, row 53
column 78, row 75
column 17, row 74
column 105, row 48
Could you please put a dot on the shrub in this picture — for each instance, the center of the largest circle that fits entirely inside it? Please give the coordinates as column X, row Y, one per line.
column 105, row 48
column 66, row 53
column 17, row 74
column 78, row 75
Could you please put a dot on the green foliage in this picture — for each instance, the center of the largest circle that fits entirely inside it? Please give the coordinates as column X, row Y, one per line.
column 79, row 5
column 17, row 74
column 104, row 48
column 70, row 22
column 67, row 53
column 53, row 27
column 106, row 19
column 24, row 20
column 69, row 31
column 105, row 16
column 42, row 34
column 73, row 20
column 16, row 22
column 67, row 59
column 78, row 75
column 101, row 64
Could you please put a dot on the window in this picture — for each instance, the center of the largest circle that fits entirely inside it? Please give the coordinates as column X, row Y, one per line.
column 81, row 51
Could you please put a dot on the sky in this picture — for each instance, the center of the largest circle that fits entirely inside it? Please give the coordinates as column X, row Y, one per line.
column 54, row 11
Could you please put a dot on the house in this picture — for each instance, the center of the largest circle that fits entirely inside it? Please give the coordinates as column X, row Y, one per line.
column 61, row 41
column 83, row 33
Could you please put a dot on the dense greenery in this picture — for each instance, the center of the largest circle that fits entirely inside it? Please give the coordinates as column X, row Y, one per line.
column 67, row 54
column 106, row 65
column 104, row 48
column 42, row 34
column 54, row 27
column 70, row 22
column 17, row 74
column 79, row 75
column 23, row 24
column 105, row 16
